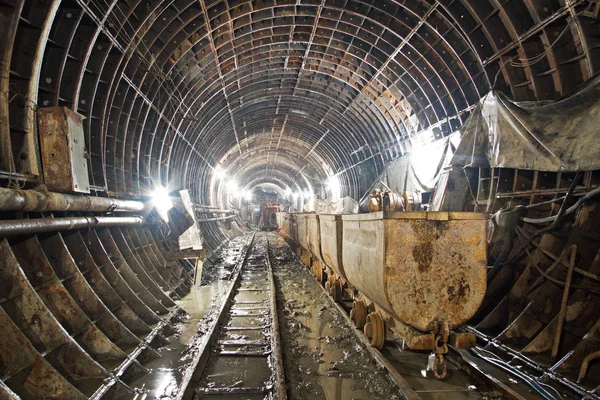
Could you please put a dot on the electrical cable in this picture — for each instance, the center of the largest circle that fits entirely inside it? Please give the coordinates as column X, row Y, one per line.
column 555, row 222
column 498, row 362
column 570, row 210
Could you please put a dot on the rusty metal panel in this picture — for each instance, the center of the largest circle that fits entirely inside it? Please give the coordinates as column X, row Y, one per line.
column 42, row 381
column 128, row 275
column 293, row 227
column 141, row 267
column 106, row 293
column 103, row 258
column 419, row 267
column 63, row 150
column 313, row 235
column 171, row 271
column 302, row 236
column 363, row 255
column 75, row 283
column 284, row 223
column 330, row 227
column 16, row 352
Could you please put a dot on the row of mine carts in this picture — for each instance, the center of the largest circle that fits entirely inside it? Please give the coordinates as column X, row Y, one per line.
column 419, row 275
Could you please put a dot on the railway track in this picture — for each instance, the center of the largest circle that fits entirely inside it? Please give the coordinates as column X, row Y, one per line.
column 244, row 337
column 474, row 372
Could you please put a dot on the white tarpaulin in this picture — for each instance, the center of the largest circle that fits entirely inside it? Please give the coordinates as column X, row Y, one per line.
column 346, row 205
column 191, row 238
column 558, row 136
column 419, row 170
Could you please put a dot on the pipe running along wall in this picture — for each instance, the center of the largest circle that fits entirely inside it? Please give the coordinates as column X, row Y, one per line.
column 195, row 94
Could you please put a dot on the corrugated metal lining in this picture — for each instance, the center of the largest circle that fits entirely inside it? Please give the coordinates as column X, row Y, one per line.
column 285, row 92
column 170, row 89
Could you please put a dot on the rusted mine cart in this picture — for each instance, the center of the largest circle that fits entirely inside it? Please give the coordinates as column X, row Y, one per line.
column 325, row 242
column 301, row 238
column 284, row 225
column 420, row 275
column 313, row 244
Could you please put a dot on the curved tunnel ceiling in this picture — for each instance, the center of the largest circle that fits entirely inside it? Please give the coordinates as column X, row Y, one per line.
column 286, row 92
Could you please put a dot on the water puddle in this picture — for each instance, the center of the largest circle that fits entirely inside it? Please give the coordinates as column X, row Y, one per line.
column 324, row 360
column 166, row 372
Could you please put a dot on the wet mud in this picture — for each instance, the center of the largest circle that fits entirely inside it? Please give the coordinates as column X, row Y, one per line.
column 180, row 344
column 322, row 356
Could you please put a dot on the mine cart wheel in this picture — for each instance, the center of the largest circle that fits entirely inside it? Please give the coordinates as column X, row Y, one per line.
column 358, row 315
column 318, row 272
column 375, row 330
column 337, row 291
column 329, row 284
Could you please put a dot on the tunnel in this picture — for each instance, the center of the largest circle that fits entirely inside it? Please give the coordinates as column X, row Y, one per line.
column 226, row 108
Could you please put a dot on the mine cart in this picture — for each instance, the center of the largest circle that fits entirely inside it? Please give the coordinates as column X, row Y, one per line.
column 330, row 236
column 421, row 274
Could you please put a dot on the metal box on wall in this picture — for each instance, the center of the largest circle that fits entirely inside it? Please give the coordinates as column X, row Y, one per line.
column 63, row 152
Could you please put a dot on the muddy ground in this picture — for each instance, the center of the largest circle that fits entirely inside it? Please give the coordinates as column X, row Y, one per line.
column 323, row 358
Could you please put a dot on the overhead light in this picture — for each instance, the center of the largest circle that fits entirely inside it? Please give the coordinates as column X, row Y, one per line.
column 332, row 184
column 162, row 202
column 248, row 195
column 232, row 187
column 219, row 172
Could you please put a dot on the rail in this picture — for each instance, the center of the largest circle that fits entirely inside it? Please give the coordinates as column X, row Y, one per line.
column 251, row 296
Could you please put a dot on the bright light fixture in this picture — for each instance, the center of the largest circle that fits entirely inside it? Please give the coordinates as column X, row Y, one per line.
column 332, row 184
column 247, row 195
column 162, row 202
column 232, row 187
column 219, row 172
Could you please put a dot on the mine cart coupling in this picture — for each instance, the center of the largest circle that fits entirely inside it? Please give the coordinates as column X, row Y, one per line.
column 441, row 332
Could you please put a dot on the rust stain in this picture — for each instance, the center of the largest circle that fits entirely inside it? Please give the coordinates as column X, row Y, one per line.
column 423, row 255
column 458, row 292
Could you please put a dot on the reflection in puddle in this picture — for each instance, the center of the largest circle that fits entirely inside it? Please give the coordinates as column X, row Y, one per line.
column 166, row 372
column 324, row 360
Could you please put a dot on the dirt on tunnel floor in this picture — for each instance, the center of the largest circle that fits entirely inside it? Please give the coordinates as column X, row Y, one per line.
column 322, row 356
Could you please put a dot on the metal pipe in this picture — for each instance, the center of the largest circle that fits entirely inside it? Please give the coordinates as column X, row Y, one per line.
column 563, row 305
column 217, row 219
column 34, row 200
column 17, row 227
column 586, row 364
column 207, row 211
column 203, row 206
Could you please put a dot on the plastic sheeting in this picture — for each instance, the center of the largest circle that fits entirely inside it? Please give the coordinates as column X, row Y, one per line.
column 558, row 136
column 191, row 238
column 419, row 170
column 346, row 205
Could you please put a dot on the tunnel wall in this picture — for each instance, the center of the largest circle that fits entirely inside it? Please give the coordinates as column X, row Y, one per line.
column 271, row 91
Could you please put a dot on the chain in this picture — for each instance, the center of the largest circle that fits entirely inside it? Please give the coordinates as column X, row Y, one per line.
column 440, row 347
